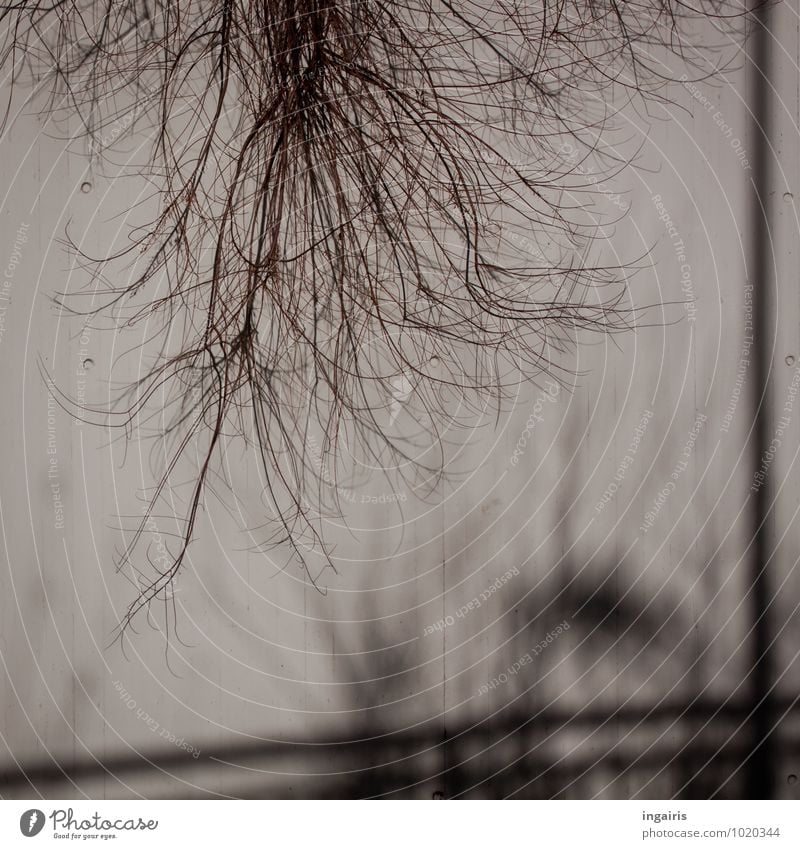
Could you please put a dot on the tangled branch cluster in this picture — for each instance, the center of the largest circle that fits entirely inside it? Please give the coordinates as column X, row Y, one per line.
column 336, row 181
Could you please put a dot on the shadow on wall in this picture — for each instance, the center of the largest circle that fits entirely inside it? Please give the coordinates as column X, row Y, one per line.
column 684, row 748
column 628, row 702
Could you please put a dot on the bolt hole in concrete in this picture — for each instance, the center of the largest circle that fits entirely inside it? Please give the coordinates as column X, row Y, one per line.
column 788, row 197
column 790, row 360
column 86, row 187
column 88, row 364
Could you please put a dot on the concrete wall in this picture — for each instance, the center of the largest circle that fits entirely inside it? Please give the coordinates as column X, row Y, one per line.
column 626, row 513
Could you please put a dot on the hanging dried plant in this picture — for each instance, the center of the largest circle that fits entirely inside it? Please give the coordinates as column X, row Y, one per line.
column 332, row 178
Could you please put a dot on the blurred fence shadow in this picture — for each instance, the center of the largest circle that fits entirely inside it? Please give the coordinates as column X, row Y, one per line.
column 670, row 751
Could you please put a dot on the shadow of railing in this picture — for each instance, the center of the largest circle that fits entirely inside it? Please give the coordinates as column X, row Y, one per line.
column 520, row 755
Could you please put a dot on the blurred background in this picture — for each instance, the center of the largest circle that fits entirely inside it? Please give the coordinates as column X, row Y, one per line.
column 599, row 599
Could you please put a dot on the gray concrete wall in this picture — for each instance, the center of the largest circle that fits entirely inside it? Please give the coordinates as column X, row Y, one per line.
column 280, row 689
